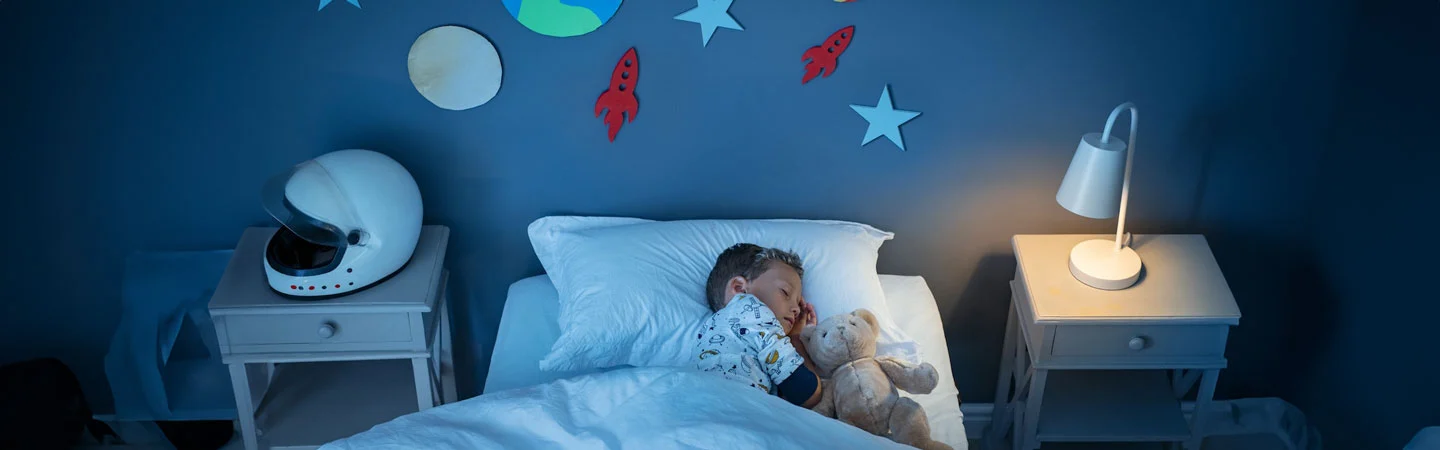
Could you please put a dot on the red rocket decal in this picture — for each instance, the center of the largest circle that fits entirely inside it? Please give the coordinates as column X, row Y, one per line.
column 824, row 56
column 620, row 98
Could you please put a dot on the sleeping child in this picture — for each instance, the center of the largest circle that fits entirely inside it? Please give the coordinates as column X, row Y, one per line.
column 755, row 295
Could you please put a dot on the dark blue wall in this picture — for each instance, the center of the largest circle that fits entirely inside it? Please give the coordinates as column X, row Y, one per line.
column 1371, row 382
column 131, row 125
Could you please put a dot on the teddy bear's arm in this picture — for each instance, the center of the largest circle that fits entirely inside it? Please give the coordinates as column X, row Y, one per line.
column 911, row 378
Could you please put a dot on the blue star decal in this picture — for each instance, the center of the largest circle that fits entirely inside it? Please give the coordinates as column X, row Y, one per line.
column 710, row 14
column 324, row 3
column 884, row 119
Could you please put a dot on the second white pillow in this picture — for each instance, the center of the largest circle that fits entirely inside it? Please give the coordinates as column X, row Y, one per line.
column 632, row 292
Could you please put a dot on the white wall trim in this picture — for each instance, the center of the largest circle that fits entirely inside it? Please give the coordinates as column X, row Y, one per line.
column 979, row 415
column 977, row 418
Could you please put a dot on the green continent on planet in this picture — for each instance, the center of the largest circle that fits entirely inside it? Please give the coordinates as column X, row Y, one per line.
column 552, row 18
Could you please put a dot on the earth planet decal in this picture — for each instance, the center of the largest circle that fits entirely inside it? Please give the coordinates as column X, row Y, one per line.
column 562, row 18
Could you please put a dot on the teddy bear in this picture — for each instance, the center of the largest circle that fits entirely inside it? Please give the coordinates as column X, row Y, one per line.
column 859, row 388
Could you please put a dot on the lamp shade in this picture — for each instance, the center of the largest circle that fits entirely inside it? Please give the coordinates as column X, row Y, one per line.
column 1091, row 187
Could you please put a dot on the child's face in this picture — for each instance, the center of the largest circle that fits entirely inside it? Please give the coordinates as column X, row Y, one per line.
column 778, row 288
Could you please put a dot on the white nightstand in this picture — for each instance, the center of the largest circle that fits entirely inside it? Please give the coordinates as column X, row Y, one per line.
column 1089, row 365
column 306, row 372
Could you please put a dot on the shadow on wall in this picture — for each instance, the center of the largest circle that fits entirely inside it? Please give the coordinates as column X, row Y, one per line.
column 1200, row 131
column 983, row 304
column 471, row 278
column 1288, row 317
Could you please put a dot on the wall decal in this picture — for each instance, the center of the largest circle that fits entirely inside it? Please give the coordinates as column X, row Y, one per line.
column 710, row 14
column 827, row 54
column 324, row 3
column 455, row 68
column 620, row 98
column 562, row 18
column 884, row 119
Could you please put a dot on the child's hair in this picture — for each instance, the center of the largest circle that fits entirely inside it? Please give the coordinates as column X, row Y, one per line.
column 744, row 260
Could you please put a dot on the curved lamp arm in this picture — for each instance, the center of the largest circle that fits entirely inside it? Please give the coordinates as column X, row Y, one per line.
column 1129, row 158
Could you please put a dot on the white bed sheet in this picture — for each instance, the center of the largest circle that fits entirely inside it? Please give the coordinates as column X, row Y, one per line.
column 530, row 324
column 657, row 408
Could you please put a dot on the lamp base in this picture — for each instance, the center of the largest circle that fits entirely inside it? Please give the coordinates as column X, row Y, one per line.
column 1096, row 263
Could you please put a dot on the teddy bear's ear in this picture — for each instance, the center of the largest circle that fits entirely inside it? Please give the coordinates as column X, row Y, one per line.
column 869, row 317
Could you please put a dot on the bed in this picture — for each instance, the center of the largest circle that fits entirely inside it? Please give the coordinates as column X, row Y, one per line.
column 647, row 407
column 528, row 327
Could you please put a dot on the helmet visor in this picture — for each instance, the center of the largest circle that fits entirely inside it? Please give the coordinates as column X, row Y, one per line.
column 277, row 196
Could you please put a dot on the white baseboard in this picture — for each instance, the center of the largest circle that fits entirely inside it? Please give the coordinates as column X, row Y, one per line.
column 979, row 415
column 977, row 418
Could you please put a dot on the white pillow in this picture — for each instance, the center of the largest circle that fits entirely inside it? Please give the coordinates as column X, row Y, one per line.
column 632, row 291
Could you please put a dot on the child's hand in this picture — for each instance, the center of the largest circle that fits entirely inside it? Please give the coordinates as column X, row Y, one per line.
column 807, row 313
column 806, row 319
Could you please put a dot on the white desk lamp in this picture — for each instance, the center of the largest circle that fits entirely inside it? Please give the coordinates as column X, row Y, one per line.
column 1095, row 187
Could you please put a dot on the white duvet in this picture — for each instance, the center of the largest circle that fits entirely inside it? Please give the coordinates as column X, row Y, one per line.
column 632, row 408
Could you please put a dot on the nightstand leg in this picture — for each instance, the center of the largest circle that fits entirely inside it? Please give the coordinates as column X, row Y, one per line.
column 244, row 405
column 1021, row 365
column 448, row 394
column 1031, row 423
column 424, row 391
column 1017, row 429
column 1185, row 381
column 1202, row 404
column 1000, row 425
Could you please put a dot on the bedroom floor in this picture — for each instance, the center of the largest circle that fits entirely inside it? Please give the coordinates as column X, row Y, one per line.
column 1212, row 443
column 977, row 445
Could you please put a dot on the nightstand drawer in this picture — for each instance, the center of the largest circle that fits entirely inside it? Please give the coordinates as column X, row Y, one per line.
column 317, row 328
column 1186, row 341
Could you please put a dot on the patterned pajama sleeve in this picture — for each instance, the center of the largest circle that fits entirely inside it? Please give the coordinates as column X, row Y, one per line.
column 763, row 336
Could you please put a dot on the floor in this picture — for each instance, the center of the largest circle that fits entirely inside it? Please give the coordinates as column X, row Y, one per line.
column 1212, row 443
column 976, row 445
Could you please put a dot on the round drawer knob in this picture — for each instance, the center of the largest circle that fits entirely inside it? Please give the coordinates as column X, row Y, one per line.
column 1138, row 343
column 327, row 330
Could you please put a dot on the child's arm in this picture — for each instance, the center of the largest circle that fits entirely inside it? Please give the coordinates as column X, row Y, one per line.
column 810, row 376
column 802, row 388
column 778, row 357
column 799, row 345
column 776, row 352
column 807, row 318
